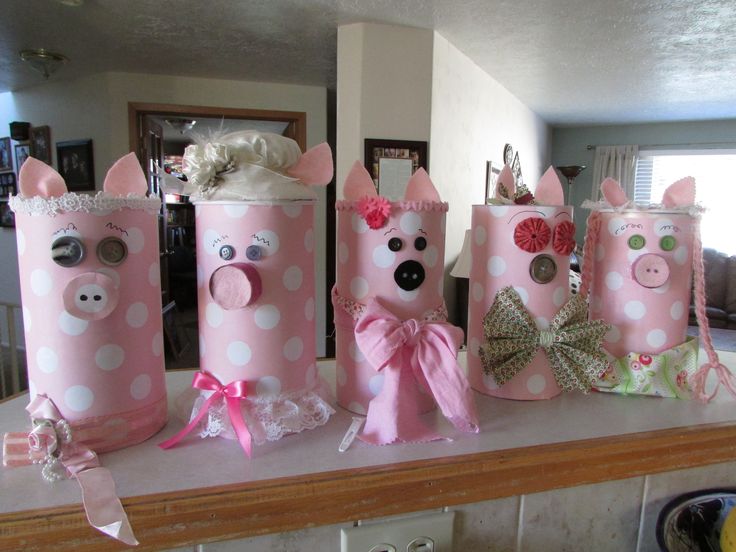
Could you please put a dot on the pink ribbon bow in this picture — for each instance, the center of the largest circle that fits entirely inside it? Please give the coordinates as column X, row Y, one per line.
column 233, row 392
column 51, row 442
column 412, row 353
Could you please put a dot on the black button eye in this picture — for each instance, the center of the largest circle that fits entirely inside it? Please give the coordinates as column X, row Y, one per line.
column 420, row 243
column 395, row 244
column 67, row 251
column 253, row 252
column 227, row 252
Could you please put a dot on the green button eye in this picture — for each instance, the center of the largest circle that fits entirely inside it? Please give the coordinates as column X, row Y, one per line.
column 667, row 243
column 637, row 241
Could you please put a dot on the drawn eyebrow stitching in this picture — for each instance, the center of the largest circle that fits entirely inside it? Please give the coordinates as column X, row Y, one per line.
column 423, row 232
column 112, row 226
column 70, row 226
column 219, row 239
column 389, row 231
column 563, row 213
column 260, row 239
column 522, row 212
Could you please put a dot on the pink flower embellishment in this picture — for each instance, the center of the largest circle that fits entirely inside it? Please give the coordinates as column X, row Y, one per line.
column 374, row 210
column 563, row 240
column 532, row 234
column 682, row 379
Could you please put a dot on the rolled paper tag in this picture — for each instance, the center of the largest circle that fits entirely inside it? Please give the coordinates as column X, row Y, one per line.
column 235, row 286
column 351, row 433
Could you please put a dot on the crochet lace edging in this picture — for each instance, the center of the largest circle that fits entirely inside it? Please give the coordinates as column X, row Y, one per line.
column 86, row 203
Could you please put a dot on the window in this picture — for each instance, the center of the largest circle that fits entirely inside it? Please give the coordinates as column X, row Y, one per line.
column 715, row 178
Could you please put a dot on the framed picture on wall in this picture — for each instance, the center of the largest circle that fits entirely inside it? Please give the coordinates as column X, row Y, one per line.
column 22, row 151
column 41, row 143
column 7, row 185
column 391, row 162
column 492, row 172
column 6, row 155
column 76, row 165
column 7, row 216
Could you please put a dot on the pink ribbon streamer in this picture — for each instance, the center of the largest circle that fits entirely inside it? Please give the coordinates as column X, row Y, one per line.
column 101, row 504
column 233, row 392
column 411, row 353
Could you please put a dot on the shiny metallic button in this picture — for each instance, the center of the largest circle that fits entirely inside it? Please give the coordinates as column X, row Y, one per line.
column 112, row 251
column 253, row 252
column 67, row 251
column 543, row 269
column 227, row 252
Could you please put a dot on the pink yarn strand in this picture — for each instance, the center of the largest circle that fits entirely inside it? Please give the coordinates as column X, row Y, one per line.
column 591, row 237
column 698, row 380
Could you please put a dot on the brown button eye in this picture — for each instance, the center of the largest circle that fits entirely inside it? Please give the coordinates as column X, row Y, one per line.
column 112, row 251
column 543, row 269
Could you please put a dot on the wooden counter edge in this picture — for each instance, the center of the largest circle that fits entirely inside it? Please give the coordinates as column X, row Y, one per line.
column 240, row 510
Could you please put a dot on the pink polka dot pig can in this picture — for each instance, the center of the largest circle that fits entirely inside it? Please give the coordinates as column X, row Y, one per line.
column 395, row 354
column 520, row 309
column 91, row 296
column 254, row 217
column 638, row 273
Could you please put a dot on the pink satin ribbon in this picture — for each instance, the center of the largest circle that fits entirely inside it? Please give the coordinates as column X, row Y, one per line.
column 412, row 353
column 101, row 504
column 233, row 392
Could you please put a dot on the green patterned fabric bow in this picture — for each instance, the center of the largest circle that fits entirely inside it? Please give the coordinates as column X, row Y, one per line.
column 572, row 343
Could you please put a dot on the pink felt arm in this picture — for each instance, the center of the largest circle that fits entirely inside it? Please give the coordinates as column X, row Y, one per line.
column 38, row 179
column 359, row 183
column 126, row 177
column 314, row 167
column 549, row 190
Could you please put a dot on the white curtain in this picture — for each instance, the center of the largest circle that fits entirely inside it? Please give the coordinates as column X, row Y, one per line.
column 618, row 162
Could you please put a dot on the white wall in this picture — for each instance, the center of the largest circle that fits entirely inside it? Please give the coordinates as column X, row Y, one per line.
column 97, row 107
column 384, row 88
column 473, row 116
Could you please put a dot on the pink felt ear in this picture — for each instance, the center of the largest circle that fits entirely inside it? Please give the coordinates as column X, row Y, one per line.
column 38, row 179
column 126, row 177
column 680, row 194
column 420, row 188
column 613, row 193
column 506, row 177
column 314, row 167
column 359, row 183
column 549, row 190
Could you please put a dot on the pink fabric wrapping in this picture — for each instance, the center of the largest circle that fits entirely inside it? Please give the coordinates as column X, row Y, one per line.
column 101, row 504
column 233, row 393
column 411, row 352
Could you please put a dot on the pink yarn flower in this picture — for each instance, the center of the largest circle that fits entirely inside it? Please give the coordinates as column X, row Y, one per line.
column 374, row 210
column 532, row 234
column 563, row 240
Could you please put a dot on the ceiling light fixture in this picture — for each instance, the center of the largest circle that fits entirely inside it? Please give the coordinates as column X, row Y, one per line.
column 182, row 125
column 43, row 61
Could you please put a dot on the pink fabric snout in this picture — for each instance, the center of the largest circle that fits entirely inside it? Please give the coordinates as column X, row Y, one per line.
column 651, row 271
column 91, row 296
column 235, row 286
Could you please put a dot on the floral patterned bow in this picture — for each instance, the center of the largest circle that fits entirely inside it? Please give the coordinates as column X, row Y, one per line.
column 205, row 164
column 572, row 343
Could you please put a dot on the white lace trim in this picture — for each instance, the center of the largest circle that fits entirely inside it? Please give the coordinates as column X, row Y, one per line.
column 602, row 205
column 99, row 203
column 268, row 418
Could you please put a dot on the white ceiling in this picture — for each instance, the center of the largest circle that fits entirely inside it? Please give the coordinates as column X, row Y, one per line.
column 571, row 61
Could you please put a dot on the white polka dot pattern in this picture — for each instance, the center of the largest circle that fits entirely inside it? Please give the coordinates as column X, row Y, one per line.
column 359, row 287
column 292, row 278
column 656, row 338
column 71, row 325
column 47, row 360
column 383, row 257
column 134, row 239
column 137, row 315
column 236, row 210
column 238, row 353
column 141, row 387
column 536, row 384
column 41, row 283
column 410, row 223
column 496, row 266
column 78, row 398
column 635, row 310
column 293, row 348
column 267, row 317
column 109, row 357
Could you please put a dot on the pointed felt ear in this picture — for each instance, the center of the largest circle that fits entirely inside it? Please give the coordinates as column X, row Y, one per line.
column 506, row 177
column 126, row 177
column 359, row 183
column 36, row 178
column 680, row 194
column 420, row 188
column 613, row 193
column 549, row 190
column 314, row 167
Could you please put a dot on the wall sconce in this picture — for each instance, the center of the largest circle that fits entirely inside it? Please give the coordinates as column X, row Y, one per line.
column 43, row 61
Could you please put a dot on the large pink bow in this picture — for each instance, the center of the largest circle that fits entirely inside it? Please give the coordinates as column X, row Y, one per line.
column 52, row 442
column 233, row 392
column 410, row 354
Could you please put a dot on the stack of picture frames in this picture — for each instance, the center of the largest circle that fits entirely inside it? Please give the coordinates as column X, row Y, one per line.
column 35, row 141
